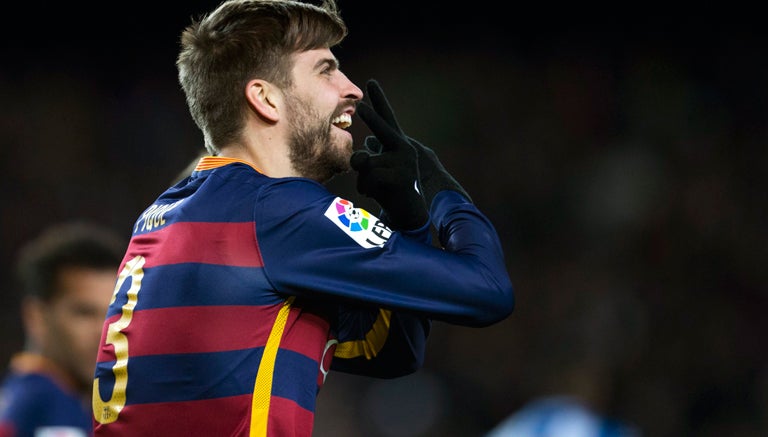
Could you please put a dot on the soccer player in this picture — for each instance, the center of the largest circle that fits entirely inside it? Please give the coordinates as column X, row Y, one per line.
column 561, row 415
column 245, row 283
column 67, row 275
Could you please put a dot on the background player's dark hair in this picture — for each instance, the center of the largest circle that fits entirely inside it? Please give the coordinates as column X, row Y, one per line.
column 72, row 244
column 242, row 40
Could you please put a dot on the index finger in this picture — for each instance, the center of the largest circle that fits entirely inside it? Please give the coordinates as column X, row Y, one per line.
column 381, row 104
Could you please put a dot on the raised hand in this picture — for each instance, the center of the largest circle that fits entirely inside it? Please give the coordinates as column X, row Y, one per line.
column 431, row 176
column 388, row 168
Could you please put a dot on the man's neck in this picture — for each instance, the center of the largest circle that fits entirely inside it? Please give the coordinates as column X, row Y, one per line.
column 271, row 157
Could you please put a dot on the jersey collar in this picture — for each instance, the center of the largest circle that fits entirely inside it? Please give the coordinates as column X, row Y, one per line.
column 211, row 162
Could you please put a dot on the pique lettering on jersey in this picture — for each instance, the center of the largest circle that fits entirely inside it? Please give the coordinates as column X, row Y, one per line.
column 154, row 216
column 363, row 227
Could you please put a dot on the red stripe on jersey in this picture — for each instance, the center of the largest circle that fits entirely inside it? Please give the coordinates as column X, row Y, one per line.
column 309, row 334
column 286, row 418
column 180, row 330
column 305, row 332
column 231, row 244
column 7, row 430
column 228, row 416
column 182, row 419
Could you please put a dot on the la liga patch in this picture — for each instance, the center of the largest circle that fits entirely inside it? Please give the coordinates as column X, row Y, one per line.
column 360, row 225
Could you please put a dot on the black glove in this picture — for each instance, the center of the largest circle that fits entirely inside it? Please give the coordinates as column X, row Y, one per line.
column 388, row 173
column 433, row 177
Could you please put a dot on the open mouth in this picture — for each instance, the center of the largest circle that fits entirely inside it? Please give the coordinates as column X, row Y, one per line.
column 342, row 121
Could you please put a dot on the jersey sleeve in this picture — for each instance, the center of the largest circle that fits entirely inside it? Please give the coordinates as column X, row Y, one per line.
column 380, row 343
column 319, row 246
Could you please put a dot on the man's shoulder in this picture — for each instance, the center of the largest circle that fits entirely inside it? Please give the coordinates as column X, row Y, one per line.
column 29, row 392
column 295, row 191
column 35, row 401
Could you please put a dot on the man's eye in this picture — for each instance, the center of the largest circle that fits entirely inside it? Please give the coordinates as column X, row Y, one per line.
column 81, row 310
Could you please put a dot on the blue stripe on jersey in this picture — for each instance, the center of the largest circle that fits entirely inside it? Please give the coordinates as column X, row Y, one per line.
column 235, row 195
column 290, row 368
column 167, row 286
column 168, row 378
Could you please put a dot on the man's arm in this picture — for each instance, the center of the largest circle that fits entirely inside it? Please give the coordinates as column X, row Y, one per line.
column 382, row 344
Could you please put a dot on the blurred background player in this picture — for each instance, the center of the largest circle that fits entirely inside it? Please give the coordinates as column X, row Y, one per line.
column 67, row 275
column 561, row 415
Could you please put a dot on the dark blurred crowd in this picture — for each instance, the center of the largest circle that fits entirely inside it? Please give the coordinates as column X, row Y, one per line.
column 623, row 166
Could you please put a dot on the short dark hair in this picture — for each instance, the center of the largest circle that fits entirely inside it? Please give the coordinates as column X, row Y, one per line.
column 71, row 244
column 241, row 40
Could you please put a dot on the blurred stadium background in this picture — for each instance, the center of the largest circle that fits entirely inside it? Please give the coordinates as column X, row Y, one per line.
column 620, row 153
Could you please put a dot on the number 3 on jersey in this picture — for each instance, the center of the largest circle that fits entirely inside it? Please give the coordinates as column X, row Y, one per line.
column 107, row 411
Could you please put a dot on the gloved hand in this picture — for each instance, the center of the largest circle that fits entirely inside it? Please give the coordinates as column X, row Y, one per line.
column 432, row 175
column 388, row 172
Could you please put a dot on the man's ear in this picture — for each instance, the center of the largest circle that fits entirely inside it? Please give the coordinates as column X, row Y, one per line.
column 33, row 316
column 264, row 98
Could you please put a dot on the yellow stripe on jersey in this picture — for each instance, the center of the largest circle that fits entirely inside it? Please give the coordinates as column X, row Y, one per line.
column 211, row 162
column 373, row 342
column 262, row 390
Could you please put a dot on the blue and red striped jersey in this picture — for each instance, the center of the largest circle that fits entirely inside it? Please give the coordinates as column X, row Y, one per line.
column 239, row 292
column 37, row 397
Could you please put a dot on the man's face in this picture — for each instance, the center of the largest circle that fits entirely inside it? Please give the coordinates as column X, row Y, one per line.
column 73, row 320
column 319, row 108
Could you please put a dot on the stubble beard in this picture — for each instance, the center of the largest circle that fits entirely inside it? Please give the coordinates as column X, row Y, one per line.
column 311, row 149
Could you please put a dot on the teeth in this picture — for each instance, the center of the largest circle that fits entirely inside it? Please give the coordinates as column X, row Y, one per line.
column 343, row 121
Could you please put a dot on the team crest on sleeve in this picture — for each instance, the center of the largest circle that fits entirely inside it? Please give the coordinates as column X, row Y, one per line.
column 363, row 227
